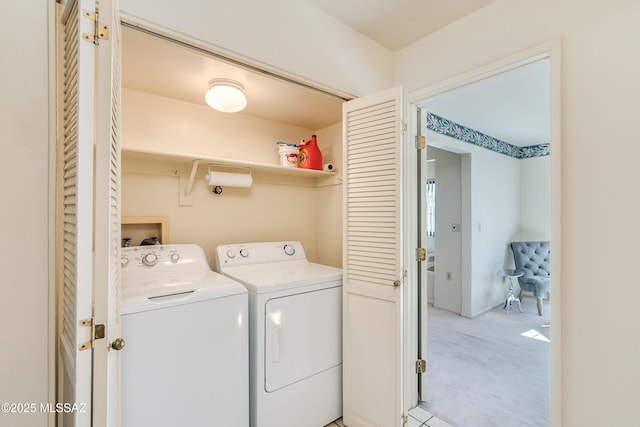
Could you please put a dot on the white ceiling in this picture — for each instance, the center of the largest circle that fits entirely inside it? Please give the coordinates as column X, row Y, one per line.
column 396, row 24
column 161, row 67
column 513, row 107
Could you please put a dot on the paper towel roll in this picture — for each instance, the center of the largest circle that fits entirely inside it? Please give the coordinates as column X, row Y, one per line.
column 328, row 167
column 227, row 179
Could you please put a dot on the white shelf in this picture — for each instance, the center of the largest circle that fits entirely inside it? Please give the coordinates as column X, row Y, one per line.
column 255, row 167
column 187, row 167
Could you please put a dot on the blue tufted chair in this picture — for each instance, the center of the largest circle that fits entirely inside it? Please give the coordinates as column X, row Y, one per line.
column 534, row 259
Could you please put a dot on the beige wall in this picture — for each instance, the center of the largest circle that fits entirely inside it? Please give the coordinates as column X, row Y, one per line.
column 263, row 212
column 600, row 69
column 600, row 66
column 290, row 37
column 158, row 124
column 26, row 320
column 329, row 199
column 275, row 208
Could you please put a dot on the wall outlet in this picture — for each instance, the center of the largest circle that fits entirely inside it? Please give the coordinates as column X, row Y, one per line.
column 448, row 275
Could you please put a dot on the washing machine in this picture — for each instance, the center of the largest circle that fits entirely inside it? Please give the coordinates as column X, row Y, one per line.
column 295, row 332
column 186, row 329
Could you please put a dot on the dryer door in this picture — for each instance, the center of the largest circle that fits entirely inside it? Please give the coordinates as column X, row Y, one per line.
column 303, row 336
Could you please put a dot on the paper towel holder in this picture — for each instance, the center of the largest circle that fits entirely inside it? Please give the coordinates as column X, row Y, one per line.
column 219, row 179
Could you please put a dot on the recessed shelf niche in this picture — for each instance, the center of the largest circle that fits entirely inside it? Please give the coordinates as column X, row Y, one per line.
column 138, row 228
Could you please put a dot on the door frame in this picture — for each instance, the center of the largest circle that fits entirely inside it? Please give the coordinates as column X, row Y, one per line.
column 550, row 50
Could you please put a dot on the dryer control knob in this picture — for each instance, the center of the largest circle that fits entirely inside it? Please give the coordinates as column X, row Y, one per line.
column 124, row 261
column 174, row 257
column 244, row 252
column 150, row 259
column 231, row 253
column 289, row 249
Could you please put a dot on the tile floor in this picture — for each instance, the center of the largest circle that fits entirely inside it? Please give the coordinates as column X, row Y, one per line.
column 418, row 417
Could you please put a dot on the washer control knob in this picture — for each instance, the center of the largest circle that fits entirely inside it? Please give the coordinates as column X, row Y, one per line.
column 231, row 253
column 124, row 261
column 174, row 257
column 244, row 252
column 150, row 259
column 289, row 249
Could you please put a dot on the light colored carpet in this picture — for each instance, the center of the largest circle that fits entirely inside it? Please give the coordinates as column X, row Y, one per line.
column 483, row 373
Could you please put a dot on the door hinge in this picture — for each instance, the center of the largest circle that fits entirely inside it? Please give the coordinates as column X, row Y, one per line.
column 405, row 420
column 421, row 142
column 404, row 127
column 100, row 31
column 421, row 254
column 97, row 332
column 421, row 366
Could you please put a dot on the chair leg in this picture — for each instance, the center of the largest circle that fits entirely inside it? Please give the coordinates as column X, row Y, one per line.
column 520, row 295
column 539, row 306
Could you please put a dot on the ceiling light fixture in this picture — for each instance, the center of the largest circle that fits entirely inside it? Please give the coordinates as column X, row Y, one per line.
column 226, row 96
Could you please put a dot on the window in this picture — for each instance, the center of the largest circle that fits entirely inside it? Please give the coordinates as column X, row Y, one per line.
column 431, row 208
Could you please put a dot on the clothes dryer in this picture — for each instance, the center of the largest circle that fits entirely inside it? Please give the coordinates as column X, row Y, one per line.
column 295, row 332
column 186, row 358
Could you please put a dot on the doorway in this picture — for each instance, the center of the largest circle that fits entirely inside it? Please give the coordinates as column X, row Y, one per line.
column 494, row 207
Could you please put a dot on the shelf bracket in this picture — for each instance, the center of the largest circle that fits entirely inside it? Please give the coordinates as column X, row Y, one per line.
column 186, row 184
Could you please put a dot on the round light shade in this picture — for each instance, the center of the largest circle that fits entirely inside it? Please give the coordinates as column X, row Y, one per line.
column 226, row 96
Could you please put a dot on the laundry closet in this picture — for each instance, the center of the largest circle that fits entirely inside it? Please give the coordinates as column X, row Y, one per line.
column 171, row 138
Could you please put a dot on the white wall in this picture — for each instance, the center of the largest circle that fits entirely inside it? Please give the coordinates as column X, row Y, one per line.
column 600, row 68
column 514, row 202
column 535, row 199
column 290, row 36
column 495, row 218
column 490, row 217
column 25, row 320
column 447, row 293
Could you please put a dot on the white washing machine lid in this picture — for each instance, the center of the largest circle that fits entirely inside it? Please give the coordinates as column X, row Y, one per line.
column 160, row 276
column 276, row 276
column 152, row 293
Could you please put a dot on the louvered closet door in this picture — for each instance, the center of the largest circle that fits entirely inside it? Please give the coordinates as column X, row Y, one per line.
column 106, row 378
column 75, row 223
column 372, row 260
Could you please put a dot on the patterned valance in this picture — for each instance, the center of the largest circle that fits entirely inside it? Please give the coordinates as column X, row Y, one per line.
column 462, row 133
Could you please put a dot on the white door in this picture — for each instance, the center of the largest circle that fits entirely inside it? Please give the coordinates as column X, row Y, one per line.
column 106, row 358
column 87, row 288
column 75, row 221
column 422, row 266
column 372, row 264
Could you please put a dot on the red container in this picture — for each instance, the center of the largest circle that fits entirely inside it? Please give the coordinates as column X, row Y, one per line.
column 310, row 156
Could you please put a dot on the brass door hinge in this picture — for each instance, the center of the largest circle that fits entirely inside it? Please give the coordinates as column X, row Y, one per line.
column 421, row 142
column 97, row 332
column 421, row 366
column 421, row 254
column 100, row 31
